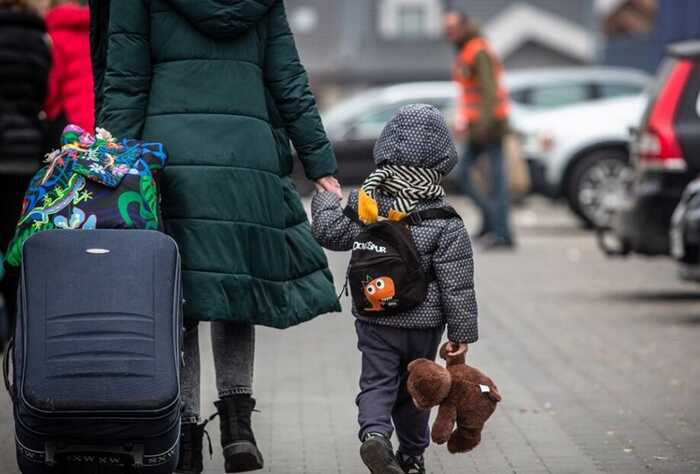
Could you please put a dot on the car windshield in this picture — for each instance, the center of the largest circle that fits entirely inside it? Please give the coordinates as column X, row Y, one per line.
column 348, row 109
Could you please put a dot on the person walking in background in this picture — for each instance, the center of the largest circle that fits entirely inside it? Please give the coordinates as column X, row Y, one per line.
column 221, row 85
column 24, row 71
column 482, row 119
column 71, row 96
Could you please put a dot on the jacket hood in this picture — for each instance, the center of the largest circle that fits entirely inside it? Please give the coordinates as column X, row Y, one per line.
column 223, row 19
column 418, row 136
column 68, row 17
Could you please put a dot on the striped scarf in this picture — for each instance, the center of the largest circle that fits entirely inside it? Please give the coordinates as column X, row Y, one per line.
column 408, row 185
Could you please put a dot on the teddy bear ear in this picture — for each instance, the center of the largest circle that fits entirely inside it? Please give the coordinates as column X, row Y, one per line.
column 418, row 362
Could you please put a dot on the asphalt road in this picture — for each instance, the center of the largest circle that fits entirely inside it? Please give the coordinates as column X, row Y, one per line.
column 597, row 361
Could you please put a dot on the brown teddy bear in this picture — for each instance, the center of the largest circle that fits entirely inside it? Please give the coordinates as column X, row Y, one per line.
column 466, row 396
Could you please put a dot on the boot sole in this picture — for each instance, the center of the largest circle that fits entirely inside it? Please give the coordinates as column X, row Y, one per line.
column 376, row 458
column 242, row 456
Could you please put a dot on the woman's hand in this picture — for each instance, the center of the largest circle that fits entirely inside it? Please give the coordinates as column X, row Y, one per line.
column 330, row 184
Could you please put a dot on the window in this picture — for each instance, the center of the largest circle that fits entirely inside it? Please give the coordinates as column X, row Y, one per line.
column 413, row 21
column 520, row 96
column 619, row 89
column 556, row 96
column 410, row 19
column 369, row 125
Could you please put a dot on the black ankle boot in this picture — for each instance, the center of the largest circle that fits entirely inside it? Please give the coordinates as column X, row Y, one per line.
column 191, row 440
column 237, row 439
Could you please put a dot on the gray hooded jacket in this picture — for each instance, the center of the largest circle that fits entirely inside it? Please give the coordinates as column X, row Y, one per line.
column 416, row 136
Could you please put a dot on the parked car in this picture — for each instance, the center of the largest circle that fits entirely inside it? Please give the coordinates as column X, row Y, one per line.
column 354, row 124
column 666, row 156
column 685, row 233
column 580, row 153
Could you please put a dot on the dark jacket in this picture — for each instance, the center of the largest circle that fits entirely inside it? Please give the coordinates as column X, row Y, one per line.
column 25, row 60
column 416, row 136
column 220, row 83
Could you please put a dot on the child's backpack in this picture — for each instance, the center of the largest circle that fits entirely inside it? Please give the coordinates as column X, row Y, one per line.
column 385, row 273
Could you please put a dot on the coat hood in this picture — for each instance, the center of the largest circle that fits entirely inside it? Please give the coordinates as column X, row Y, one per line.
column 223, row 19
column 418, row 136
column 68, row 17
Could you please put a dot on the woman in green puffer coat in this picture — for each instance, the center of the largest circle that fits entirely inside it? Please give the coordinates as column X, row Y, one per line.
column 220, row 83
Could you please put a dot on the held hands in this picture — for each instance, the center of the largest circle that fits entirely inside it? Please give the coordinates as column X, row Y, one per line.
column 330, row 184
column 456, row 349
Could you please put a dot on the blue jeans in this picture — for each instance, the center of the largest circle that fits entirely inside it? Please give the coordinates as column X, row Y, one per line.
column 493, row 205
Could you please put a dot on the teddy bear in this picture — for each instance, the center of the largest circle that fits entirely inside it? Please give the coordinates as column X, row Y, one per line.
column 466, row 398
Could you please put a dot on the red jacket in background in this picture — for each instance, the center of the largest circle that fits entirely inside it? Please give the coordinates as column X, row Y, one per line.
column 70, row 83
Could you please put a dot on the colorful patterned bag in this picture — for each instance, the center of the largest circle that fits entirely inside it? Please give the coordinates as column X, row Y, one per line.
column 89, row 183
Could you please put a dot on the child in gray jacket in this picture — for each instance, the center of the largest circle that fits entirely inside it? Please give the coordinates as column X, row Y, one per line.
column 414, row 152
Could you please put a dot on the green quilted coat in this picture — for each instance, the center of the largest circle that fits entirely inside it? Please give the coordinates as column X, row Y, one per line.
column 219, row 82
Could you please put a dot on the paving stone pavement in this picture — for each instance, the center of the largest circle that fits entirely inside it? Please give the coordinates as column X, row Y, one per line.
column 596, row 360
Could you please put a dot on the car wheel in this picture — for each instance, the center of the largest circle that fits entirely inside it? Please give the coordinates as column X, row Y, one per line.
column 598, row 183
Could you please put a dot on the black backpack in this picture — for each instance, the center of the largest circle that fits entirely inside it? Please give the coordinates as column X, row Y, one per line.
column 385, row 273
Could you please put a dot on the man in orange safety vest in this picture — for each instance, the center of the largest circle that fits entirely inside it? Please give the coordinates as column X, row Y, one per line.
column 482, row 119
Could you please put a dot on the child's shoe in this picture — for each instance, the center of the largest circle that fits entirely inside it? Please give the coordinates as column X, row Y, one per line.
column 378, row 455
column 411, row 464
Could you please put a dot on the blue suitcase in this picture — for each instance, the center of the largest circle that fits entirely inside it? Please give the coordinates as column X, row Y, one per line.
column 97, row 356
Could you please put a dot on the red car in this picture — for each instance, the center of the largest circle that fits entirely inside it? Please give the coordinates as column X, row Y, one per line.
column 665, row 155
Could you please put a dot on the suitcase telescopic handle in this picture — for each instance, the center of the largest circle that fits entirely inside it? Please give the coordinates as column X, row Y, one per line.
column 7, row 356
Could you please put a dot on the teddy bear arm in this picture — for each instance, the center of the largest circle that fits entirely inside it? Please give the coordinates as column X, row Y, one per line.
column 444, row 423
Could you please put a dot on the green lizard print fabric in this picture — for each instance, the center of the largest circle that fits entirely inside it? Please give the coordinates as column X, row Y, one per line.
column 89, row 183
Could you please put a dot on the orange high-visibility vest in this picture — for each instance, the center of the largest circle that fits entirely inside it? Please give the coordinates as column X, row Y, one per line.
column 465, row 75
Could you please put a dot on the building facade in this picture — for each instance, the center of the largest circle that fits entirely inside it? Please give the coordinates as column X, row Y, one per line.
column 358, row 43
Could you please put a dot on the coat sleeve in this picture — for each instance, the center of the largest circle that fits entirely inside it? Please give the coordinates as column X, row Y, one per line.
column 331, row 228
column 288, row 83
column 127, row 74
column 453, row 264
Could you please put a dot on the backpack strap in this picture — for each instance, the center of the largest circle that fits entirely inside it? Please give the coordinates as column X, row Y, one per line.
column 351, row 214
column 417, row 217
column 414, row 218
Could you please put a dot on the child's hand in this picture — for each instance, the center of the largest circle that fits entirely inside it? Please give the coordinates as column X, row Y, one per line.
column 330, row 184
column 456, row 349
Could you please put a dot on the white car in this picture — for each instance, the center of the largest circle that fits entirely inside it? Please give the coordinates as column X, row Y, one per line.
column 581, row 153
column 354, row 124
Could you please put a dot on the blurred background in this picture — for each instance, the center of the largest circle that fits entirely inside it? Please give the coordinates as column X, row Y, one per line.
column 596, row 354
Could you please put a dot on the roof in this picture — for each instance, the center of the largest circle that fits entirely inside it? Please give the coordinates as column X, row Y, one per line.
column 522, row 22
column 543, row 75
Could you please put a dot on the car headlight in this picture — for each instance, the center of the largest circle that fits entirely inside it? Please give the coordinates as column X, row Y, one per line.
column 538, row 144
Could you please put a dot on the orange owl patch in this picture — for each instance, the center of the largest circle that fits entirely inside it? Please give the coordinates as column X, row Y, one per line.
column 378, row 292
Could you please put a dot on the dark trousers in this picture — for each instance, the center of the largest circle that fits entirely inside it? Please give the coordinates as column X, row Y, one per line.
column 386, row 353
column 494, row 205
